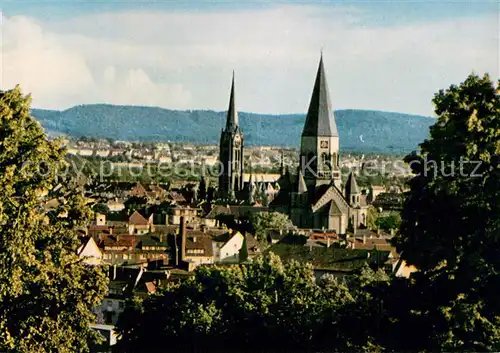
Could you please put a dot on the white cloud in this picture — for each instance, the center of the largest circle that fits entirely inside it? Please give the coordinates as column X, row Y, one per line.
column 184, row 60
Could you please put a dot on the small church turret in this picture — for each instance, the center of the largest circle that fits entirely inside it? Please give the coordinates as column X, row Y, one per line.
column 231, row 152
column 352, row 192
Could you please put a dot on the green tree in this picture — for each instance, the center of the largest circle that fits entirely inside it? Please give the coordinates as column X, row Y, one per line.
column 46, row 292
column 260, row 222
column 451, row 220
column 387, row 223
column 135, row 203
column 263, row 305
column 101, row 208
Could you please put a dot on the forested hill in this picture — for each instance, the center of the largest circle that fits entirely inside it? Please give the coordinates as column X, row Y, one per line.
column 360, row 130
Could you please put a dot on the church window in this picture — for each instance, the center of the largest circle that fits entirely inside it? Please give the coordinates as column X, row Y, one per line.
column 324, row 158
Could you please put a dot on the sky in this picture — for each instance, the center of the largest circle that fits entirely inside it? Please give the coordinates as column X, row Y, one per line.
column 378, row 55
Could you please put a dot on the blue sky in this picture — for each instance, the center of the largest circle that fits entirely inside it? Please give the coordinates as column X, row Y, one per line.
column 378, row 54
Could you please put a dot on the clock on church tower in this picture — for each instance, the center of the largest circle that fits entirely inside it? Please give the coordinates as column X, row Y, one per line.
column 323, row 144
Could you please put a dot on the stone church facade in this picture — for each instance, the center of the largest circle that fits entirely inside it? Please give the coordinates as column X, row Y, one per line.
column 313, row 196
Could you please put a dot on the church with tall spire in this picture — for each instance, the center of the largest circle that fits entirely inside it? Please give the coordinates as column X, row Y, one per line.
column 314, row 197
column 231, row 153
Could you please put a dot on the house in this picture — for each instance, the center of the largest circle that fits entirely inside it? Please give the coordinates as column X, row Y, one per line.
column 138, row 224
column 87, row 152
column 138, row 191
column 196, row 249
column 164, row 159
column 210, row 160
column 227, row 247
column 115, row 205
column 102, row 153
column 274, row 236
column 322, row 238
column 100, row 219
column 262, row 177
column 238, row 211
column 175, row 213
column 402, row 269
column 90, row 252
column 136, row 251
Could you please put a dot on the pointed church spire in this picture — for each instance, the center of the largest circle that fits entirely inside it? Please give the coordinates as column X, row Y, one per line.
column 232, row 122
column 351, row 185
column 301, row 184
column 352, row 193
column 320, row 120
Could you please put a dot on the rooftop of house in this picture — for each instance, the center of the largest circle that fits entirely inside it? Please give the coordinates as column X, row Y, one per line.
column 138, row 219
column 237, row 211
column 128, row 241
column 321, row 257
column 199, row 243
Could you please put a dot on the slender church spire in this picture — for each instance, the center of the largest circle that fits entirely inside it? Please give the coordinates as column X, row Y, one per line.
column 320, row 120
column 232, row 122
column 301, row 184
column 231, row 153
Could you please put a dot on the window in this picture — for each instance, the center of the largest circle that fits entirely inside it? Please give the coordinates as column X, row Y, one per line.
column 324, row 158
column 121, row 305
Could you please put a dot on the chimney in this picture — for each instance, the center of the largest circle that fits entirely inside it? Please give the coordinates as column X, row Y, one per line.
column 364, row 239
column 183, row 232
column 194, row 239
column 114, row 272
column 327, row 241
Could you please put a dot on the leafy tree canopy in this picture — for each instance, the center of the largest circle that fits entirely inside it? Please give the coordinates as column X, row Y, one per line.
column 262, row 221
column 451, row 219
column 46, row 292
column 263, row 305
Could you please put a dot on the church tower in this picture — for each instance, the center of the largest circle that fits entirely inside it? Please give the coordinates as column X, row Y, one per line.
column 319, row 151
column 231, row 153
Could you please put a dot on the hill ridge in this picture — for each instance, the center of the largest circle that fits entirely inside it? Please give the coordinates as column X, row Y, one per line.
column 360, row 130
